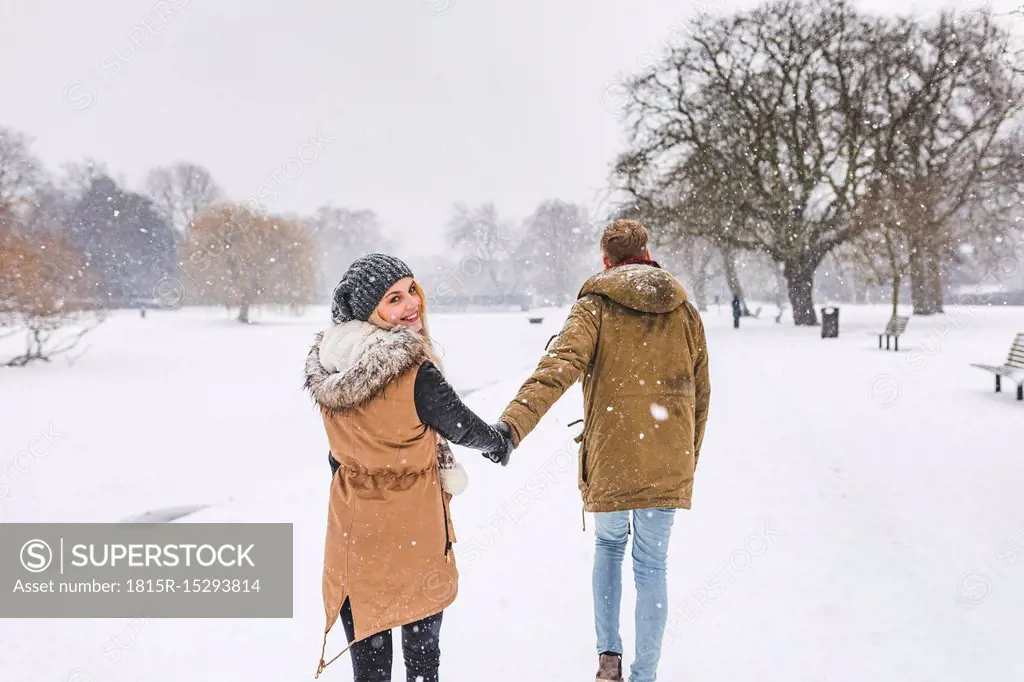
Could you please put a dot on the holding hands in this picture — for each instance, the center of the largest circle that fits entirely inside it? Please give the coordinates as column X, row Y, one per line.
column 501, row 455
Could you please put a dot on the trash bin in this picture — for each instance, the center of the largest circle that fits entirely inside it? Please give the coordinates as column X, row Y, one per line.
column 829, row 323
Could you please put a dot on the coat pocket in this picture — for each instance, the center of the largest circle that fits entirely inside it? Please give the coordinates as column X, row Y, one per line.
column 449, row 524
column 583, row 474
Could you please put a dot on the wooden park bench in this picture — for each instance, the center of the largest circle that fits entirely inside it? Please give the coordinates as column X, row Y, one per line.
column 1012, row 369
column 896, row 326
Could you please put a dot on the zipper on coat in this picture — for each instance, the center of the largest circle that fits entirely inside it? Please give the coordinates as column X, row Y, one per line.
column 447, row 537
column 583, row 466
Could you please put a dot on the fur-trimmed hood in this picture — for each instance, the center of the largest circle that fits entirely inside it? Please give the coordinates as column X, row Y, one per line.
column 640, row 287
column 352, row 363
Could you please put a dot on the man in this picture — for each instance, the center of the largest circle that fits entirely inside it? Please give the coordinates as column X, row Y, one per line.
column 639, row 346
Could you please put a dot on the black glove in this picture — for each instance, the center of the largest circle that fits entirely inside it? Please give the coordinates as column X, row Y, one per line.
column 501, row 456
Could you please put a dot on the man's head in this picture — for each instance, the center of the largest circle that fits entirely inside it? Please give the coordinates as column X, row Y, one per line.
column 622, row 240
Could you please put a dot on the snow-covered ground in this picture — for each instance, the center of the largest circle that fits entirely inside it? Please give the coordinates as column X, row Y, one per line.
column 857, row 514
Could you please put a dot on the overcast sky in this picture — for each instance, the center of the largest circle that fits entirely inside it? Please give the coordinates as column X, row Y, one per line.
column 404, row 106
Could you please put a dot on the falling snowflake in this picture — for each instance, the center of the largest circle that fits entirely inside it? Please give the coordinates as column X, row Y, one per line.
column 659, row 412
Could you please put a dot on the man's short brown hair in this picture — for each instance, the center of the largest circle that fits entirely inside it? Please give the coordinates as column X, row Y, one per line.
column 624, row 239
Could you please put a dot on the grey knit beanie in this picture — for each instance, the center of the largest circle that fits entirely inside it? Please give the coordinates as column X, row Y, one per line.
column 364, row 284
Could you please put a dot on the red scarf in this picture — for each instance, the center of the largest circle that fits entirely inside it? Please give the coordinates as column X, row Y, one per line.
column 637, row 261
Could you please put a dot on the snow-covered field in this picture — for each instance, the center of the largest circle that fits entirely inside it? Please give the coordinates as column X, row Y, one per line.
column 858, row 514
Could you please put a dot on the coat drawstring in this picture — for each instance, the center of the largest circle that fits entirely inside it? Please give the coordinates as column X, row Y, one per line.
column 583, row 513
column 320, row 667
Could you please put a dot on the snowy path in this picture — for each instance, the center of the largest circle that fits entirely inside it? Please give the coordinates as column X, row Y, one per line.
column 857, row 514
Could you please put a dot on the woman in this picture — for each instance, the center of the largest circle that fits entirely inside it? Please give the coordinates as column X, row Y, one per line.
column 387, row 409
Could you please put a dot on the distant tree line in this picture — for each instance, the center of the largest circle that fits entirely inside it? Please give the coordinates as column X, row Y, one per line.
column 77, row 244
column 801, row 147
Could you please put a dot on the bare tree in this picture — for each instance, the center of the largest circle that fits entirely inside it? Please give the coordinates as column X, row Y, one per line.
column 484, row 243
column 688, row 233
column 764, row 118
column 181, row 192
column 700, row 260
column 342, row 235
column 77, row 177
column 558, row 249
column 20, row 170
column 780, row 119
column 240, row 258
column 882, row 255
column 697, row 259
column 732, row 276
column 953, row 141
column 43, row 293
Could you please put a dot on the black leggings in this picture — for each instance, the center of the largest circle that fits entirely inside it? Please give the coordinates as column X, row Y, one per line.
column 371, row 657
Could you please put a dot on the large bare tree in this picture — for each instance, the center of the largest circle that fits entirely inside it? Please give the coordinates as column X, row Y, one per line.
column 764, row 118
column 181, row 192
column 952, row 147
column 767, row 127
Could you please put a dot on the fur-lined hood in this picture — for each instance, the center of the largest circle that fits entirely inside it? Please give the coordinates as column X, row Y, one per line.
column 352, row 363
column 640, row 287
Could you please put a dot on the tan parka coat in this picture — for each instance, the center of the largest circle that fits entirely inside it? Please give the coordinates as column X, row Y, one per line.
column 639, row 346
column 389, row 530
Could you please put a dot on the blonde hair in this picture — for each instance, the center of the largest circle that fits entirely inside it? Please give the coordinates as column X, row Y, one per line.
column 378, row 321
column 624, row 239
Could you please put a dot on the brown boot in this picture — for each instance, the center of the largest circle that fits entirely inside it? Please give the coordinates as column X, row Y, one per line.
column 609, row 668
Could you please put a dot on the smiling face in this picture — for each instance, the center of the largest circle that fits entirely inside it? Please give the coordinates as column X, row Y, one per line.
column 401, row 305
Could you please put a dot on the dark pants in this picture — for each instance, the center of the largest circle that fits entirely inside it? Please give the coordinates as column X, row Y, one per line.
column 371, row 657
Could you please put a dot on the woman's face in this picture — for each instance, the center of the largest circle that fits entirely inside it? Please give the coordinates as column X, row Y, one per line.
column 401, row 305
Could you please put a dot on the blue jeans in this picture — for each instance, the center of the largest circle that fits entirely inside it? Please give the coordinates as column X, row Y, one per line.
column 652, row 529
